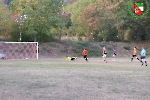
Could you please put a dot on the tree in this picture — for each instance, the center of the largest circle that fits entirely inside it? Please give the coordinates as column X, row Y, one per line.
column 90, row 21
column 5, row 21
column 109, row 20
column 138, row 26
column 43, row 15
column 94, row 17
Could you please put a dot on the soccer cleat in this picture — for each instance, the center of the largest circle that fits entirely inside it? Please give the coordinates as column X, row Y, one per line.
column 146, row 63
column 86, row 59
column 142, row 64
column 131, row 59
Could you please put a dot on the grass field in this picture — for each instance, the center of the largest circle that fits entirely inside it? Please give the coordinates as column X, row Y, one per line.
column 58, row 79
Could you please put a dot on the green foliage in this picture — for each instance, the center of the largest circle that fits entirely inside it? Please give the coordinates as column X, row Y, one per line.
column 84, row 44
column 79, row 46
column 138, row 27
column 43, row 15
column 110, row 33
column 95, row 53
column 109, row 20
column 44, row 48
column 127, row 47
column 5, row 21
column 77, row 8
column 15, row 29
column 93, row 19
column 102, row 45
column 109, row 48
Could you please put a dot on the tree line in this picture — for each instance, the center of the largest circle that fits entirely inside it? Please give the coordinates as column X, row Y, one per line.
column 96, row 20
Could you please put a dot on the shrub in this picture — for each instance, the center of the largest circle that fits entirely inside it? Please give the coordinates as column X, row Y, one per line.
column 95, row 53
column 83, row 43
column 102, row 45
column 44, row 48
column 127, row 48
column 109, row 48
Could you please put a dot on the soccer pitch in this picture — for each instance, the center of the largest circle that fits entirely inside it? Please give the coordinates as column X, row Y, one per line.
column 58, row 79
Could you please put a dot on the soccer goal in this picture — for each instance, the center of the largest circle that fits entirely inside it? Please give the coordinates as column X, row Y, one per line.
column 19, row 50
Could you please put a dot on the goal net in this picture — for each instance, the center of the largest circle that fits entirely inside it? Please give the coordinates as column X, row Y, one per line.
column 19, row 50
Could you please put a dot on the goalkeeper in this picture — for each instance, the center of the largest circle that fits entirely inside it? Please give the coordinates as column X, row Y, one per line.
column 71, row 58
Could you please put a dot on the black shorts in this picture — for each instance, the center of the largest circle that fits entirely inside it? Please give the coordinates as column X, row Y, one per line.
column 143, row 57
column 115, row 54
column 133, row 55
column 85, row 56
column 72, row 58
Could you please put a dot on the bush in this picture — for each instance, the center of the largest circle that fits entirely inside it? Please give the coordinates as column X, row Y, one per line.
column 44, row 48
column 109, row 48
column 83, row 43
column 95, row 53
column 127, row 48
column 102, row 45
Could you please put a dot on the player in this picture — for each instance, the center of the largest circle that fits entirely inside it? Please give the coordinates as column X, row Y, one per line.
column 134, row 54
column 143, row 56
column 71, row 58
column 114, row 54
column 2, row 56
column 104, row 51
column 85, row 53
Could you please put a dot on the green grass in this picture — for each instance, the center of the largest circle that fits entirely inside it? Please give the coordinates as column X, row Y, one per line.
column 58, row 79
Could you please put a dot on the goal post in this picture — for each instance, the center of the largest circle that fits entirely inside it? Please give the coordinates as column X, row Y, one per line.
column 19, row 50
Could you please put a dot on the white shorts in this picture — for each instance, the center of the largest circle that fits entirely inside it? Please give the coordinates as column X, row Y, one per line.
column 104, row 55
